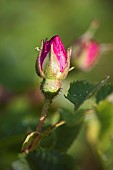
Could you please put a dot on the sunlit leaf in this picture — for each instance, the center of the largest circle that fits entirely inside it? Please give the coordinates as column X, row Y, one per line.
column 79, row 91
column 105, row 115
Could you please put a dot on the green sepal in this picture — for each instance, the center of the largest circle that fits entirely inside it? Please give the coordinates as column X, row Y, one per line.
column 50, row 87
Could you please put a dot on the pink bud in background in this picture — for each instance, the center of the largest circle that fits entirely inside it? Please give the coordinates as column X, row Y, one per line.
column 86, row 51
column 87, row 55
column 58, row 60
column 92, row 50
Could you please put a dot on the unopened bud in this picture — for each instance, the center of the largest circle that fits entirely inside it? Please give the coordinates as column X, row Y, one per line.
column 57, row 66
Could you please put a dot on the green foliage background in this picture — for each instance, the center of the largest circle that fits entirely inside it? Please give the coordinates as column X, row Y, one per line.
column 23, row 23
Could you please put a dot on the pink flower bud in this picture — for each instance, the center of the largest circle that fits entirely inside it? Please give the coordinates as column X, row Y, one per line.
column 87, row 55
column 58, row 63
column 92, row 51
column 86, row 51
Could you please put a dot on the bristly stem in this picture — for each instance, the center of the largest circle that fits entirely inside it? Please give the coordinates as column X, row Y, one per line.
column 43, row 115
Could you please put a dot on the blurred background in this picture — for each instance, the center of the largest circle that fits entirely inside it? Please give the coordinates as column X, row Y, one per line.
column 23, row 23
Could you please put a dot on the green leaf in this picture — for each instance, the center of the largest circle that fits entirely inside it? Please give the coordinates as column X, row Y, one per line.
column 72, row 119
column 20, row 164
column 105, row 116
column 79, row 91
column 105, row 142
column 65, row 135
column 44, row 159
column 48, row 141
column 106, row 90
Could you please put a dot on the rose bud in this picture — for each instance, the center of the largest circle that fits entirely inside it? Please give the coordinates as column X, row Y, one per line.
column 86, row 51
column 88, row 54
column 52, row 64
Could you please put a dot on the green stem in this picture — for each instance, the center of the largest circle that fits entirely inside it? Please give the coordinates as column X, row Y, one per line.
column 91, row 30
column 49, row 130
column 33, row 139
column 43, row 115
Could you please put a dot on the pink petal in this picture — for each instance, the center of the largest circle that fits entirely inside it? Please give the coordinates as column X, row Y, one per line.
column 93, row 52
column 60, row 52
column 45, row 51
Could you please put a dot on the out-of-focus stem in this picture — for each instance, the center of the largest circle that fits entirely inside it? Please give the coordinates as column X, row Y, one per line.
column 91, row 30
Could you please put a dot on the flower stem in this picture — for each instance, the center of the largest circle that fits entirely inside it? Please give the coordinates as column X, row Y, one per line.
column 43, row 115
column 33, row 139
